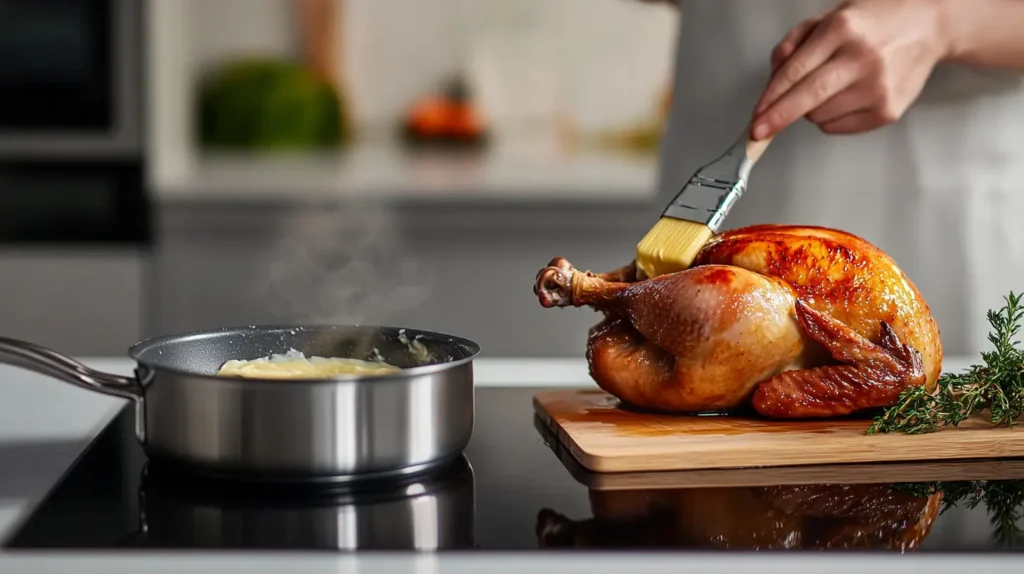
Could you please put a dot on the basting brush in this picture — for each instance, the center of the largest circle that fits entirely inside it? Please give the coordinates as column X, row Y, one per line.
column 697, row 212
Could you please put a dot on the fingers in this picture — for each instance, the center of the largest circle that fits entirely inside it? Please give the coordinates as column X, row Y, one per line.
column 861, row 108
column 857, row 98
column 793, row 40
column 796, row 37
column 817, row 49
column 819, row 87
column 855, row 123
column 843, row 73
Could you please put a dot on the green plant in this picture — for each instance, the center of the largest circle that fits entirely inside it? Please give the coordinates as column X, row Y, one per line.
column 1003, row 500
column 267, row 104
column 997, row 386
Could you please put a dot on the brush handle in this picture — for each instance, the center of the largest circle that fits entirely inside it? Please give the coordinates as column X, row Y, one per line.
column 751, row 151
column 756, row 148
column 318, row 33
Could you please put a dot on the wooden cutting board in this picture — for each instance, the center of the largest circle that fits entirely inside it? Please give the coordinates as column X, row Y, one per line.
column 606, row 438
column 852, row 473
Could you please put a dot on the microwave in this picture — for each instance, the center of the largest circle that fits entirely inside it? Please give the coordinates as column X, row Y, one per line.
column 70, row 78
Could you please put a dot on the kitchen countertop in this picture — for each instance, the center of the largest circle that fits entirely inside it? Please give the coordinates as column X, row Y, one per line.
column 390, row 174
column 45, row 424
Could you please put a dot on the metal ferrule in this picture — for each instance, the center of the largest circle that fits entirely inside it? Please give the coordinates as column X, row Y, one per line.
column 710, row 194
column 706, row 202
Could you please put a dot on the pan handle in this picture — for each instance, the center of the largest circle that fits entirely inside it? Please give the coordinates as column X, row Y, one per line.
column 53, row 364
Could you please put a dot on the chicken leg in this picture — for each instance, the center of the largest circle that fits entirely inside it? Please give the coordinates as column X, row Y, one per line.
column 699, row 340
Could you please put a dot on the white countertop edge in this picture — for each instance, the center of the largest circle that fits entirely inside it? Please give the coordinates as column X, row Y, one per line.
column 519, row 372
column 194, row 192
column 532, row 372
column 497, row 563
column 384, row 171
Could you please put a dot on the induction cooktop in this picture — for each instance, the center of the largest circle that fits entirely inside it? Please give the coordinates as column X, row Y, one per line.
column 515, row 488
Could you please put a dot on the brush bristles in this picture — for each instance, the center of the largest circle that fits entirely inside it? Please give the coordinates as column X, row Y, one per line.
column 670, row 246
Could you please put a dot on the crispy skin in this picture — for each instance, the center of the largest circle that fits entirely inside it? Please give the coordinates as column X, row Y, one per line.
column 871, row 376
column 797, row 322
column 840, row 275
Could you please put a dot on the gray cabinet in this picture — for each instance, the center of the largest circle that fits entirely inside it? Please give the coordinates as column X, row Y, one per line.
column 458, row 269
column 79, row 302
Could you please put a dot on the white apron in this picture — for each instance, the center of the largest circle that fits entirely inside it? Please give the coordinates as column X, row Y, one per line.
column 941, row 191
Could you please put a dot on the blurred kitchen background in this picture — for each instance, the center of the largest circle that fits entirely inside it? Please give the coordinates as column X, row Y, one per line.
column 168, row 165
column 178, row 164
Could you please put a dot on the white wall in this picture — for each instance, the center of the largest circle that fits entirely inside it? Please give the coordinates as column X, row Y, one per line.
column 220, row 29
column 457, row 269
column 604, row 60
column 80, row 302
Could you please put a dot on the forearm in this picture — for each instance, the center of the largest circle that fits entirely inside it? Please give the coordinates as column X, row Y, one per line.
column 986, row 33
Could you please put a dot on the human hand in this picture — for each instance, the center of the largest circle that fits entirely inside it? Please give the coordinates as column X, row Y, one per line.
column 854, row 68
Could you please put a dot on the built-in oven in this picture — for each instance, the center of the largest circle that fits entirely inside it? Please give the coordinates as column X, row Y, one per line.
column 69, row 77
column 76, row 242
column 75, row 203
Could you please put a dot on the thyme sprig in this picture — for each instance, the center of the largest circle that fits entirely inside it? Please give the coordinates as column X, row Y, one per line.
column 996, row 386
column 1003, row 500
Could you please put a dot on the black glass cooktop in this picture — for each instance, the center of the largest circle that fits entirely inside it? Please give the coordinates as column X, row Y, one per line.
column 512, row 491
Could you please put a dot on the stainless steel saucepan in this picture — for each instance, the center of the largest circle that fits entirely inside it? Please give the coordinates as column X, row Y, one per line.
column 340, row 429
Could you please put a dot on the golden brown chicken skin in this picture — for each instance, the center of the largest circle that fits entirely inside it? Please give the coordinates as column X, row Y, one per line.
column 795, row 321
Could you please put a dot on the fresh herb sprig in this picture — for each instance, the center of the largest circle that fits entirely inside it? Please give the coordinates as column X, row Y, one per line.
column 1003, row 500
column 997, row 386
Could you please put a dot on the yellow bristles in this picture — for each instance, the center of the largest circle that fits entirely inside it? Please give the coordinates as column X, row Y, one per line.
column 671, row 246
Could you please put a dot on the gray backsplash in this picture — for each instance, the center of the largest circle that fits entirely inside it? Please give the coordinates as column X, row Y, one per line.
column 471, row 268
column 459, row 268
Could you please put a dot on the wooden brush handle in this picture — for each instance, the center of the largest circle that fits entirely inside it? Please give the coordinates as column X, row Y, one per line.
column 755, row 148
column 318, row 33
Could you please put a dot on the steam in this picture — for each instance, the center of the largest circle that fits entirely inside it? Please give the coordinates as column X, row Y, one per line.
column 343, row 263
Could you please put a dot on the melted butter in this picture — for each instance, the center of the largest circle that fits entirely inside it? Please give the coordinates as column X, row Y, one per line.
column 295, row 365
column 418, row 349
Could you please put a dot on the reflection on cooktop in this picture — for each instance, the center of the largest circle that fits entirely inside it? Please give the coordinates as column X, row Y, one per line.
column 139, row 505
column 433, row 512
column 811, row 517
column 638, row 510
column 517, row 489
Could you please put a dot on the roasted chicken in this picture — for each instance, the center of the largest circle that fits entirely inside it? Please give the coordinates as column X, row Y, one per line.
column 808, row 517
column 796, row 322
